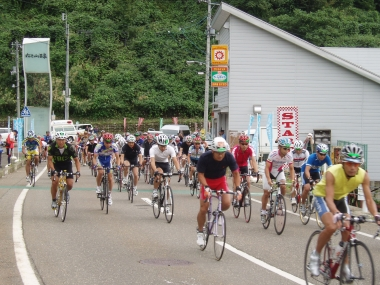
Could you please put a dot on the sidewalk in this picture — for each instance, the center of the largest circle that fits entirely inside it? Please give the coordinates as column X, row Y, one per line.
column 15, row 164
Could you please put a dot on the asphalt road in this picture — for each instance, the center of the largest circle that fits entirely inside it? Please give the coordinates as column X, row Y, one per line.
column 130, row 246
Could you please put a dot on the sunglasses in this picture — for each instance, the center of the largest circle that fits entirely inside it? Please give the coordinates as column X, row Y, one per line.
column 243, row 143
column 350, row 163
column 107, row 141
column 286, row 148
column 323, row 154
column 197, row 143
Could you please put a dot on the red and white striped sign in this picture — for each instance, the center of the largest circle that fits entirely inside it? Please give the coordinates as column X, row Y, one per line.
column 139, row 123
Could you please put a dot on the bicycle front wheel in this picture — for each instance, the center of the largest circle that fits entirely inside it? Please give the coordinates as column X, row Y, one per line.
column 169, row 204
column 119, row 180
column 319, row 221
column 280, row 214
column 186, row 176
column 193, row 186
column 306, row 216
column 131, row 190
column 324, row 269
column 63, row 208
column 360, row 264
column 247, row 205
column 58, row 199
column 33, row 178
column 106, row 193
column 156, row 204
column 219, row 232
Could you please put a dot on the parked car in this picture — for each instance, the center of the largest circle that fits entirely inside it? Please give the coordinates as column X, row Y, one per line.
column 175, row 129
column 66, row 126
column 82, row 127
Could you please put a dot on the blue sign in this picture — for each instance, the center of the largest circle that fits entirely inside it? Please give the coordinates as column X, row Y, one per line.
column 25, row 112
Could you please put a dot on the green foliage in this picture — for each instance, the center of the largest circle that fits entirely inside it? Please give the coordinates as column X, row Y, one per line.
column 127, row 58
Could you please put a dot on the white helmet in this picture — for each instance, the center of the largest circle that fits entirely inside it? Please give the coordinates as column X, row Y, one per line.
column 117, row 137
column 60, row 135
column 298, row 145
column 131, row 138
column 352, row 153
column 219, row 144
column 188, row 139
column 162, row 139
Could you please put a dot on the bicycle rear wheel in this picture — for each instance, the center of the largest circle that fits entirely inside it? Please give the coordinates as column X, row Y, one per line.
column 146, row 173
column 360, row 264
column 156, row 204
column 295, row 206
column 169, row 204
column 63, row 208
column 247, row 204
column 319, row 221
column 324, row 269
column 206, row 230
column 268, row 217
column 306, row 217
column 236, row 209
column 280, row 214
column 219, row 232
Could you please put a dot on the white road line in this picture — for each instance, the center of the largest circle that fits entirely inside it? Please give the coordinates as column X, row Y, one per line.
column 22, row 259
column 280, row 272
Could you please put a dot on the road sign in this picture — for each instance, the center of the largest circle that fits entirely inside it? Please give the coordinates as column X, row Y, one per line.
column 219, row 76
column 25, row 112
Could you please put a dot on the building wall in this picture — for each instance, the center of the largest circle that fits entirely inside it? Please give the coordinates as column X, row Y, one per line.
column 269, row 71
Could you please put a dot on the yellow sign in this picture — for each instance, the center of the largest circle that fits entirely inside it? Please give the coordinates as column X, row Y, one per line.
column 219, row 55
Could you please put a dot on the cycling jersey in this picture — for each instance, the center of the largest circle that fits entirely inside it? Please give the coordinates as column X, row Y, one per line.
column 277, row 161
column 242, row 157
column 185, row 148
column 31, row 144
column 342, row 185
column 62, row 155
column 120, row 143
column 91, row 147
column 147, row 145
column 212, row 168
column 196, row 153
column 161, row 156
column 83, row 141
column 315, row 163
column 104, row 153
column 48, row 139
column 300, row 159
column 131, row 153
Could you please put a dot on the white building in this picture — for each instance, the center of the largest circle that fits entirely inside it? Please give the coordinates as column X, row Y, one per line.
column 270, row 67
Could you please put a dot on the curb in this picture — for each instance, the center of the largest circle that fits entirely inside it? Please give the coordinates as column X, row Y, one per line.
column 5, row 170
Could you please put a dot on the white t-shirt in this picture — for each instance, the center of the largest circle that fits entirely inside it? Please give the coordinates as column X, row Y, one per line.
column 161, row 156
column 300, row 159
column 277, row 161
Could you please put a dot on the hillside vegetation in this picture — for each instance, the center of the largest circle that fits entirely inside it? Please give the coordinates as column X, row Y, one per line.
column 128, row 57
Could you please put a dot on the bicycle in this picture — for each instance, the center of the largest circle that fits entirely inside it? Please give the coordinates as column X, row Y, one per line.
column 130, row 182
column 104, row 195
column 196, row 186
column 297, row 190
column 147, row 174
column 245, row 202
column 32, row 170
column 360, row 261
column 309, row 207
column 216, row 225
column 79, row 153
column 62, row 194
column 277, row 207
column 164, row 202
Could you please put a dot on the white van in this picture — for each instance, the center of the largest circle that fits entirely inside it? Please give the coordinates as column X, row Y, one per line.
column 175, row 129
column 66, row 126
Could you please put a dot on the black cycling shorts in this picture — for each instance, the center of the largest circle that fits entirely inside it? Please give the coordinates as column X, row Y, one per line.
column 164, row 166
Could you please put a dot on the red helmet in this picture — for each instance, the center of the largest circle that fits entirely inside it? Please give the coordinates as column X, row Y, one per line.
column 244, row 138
column 197, row 140
column 107, row 136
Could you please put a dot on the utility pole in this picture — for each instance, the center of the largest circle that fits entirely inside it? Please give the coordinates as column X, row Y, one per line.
column 67, row 90
column 16, row 71
column 207, row 81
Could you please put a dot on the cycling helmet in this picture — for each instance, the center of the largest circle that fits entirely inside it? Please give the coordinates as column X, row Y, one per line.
column 30, row 134
column 322, row 148
column 219, row 144
column 298, row 145
column 203, row 137
column 60, row 135
column 244, row 138
column 91, row 138
column 131, row 138
column 137, row 134
column 107, row 137
column 197, row 140
column 352, row 153
column 284, row 142
column 162, row 139
column 188, row 139
column 117, row 137
column 177, row 139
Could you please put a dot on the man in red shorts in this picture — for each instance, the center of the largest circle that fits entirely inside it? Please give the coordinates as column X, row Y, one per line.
column 211, row 169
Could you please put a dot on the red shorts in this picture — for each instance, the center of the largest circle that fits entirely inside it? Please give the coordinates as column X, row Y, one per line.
column 215, row 184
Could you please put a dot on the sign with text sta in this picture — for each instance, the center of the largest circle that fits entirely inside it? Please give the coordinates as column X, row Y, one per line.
column 287, row 122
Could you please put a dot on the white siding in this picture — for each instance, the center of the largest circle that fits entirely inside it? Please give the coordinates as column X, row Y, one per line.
column 267, row 70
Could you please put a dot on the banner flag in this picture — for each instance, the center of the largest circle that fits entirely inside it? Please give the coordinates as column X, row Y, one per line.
column 270, row 130
column 125, row 124
column 139, row 123
column 161, row 122
column 255, row 142
column 18, row 125
column 251, row 120
column 32, row 124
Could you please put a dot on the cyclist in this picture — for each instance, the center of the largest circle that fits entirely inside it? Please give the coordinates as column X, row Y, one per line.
column 82, row 143
column 103, row 154
column 90, row 147
column 119, row 141
column 31, row 145
column 211, row 169
column 130, row 152
column 331, row 199
column 148, row 143
column 242, row 153
column 204, row 143
column 310, row 171
column 195, row 151
column 300, row 156
column 276, row 159
column 138, row 138
column 159, row 161
column 60, row 155
column 184, row 150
